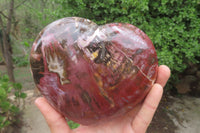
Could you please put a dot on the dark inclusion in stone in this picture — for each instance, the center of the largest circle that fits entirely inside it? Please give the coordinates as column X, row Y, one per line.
column 92, row 73
column 103, row 54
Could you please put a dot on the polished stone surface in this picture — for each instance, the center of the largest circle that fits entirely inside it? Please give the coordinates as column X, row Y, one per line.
column 90, row 72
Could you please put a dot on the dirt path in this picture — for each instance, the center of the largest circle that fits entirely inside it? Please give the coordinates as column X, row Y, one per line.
column 177, row 115
column 33, row 120
column 185, row 113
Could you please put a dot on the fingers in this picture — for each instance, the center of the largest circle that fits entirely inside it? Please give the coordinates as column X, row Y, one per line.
column 145, row 115
column 163, row 75
column 55, row 121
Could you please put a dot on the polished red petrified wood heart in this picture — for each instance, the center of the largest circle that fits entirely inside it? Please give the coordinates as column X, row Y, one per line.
column 91, row 73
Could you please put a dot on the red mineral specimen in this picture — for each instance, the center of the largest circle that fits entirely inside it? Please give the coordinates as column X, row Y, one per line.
column 90, row 73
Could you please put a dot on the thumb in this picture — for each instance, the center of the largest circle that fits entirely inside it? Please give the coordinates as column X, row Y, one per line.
column 55, row 121
column 145, row 115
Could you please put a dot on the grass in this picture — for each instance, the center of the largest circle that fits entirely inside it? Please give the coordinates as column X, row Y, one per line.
column 72, row 124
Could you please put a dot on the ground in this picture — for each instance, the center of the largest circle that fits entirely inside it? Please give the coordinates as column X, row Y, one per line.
column 175, row 114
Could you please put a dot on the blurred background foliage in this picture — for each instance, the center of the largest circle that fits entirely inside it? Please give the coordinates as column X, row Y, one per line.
column 10, row 105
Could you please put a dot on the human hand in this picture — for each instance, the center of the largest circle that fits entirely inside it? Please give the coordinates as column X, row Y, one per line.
column 135, row 121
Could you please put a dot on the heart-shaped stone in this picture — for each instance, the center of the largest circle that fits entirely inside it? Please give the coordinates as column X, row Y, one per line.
column 91, row 73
